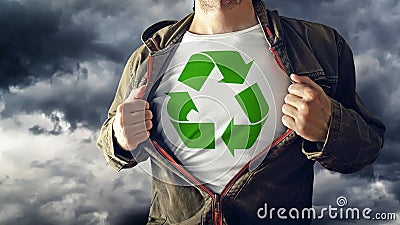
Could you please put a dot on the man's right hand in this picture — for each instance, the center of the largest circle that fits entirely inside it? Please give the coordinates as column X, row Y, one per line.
column 133, row 120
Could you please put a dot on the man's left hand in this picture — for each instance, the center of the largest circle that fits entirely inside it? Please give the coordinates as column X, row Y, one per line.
column 307, row 109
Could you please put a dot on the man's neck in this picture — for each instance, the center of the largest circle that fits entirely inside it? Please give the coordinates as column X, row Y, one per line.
column 216, row 16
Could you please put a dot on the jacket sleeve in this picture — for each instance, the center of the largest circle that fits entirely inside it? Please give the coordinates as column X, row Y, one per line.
column 106, row 142
column 355, row 136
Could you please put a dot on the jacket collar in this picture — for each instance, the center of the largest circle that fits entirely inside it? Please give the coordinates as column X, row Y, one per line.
column 166, row 33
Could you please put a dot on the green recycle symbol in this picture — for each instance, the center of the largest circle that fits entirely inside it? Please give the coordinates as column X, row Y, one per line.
column 234, row 71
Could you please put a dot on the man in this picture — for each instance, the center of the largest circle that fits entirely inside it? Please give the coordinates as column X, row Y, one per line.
column 202, row 172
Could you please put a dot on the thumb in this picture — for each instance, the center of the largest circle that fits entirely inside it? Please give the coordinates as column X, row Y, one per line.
column 303, row 80
column 137, row 93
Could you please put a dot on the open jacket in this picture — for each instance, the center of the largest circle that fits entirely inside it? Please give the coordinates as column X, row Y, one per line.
column 285, row 176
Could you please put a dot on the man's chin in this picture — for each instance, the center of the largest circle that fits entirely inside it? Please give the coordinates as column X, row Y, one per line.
column 211, row 5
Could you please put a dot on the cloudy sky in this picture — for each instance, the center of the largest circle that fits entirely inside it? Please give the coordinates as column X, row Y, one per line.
column 60, row 61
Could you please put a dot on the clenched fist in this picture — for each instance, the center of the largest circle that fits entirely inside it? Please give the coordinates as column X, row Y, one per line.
column 133, row 120
column 307, row 109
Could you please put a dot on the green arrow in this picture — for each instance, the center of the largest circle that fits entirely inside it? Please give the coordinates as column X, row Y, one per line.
column 193, row 135
column 196, row 135
column 179, row 105
column 256, row 108
column 253, row 103
column 196, row 71
column 230, row 64
column 241, row 136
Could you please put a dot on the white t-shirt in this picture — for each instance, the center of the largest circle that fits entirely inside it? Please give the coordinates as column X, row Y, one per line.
column 219, row 103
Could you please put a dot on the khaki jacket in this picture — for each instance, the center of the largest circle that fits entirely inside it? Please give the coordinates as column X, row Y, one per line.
column 285, row 176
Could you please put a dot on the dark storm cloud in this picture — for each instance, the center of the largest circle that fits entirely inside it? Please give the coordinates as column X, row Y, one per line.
column 365, row 24
column 37, row 130
column 45, row 40
column 57, row 129
column 80, row 100
column 396, row 188
column 38, row 40
column 72, row 194
column 61, row 168
column 131, row 217
column 104, row 7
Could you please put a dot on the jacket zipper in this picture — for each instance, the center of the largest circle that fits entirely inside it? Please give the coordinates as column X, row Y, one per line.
column 272, row 49
column 217, row 209
column 217, row 198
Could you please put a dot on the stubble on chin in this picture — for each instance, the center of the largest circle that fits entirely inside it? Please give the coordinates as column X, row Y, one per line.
column 211, row 5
